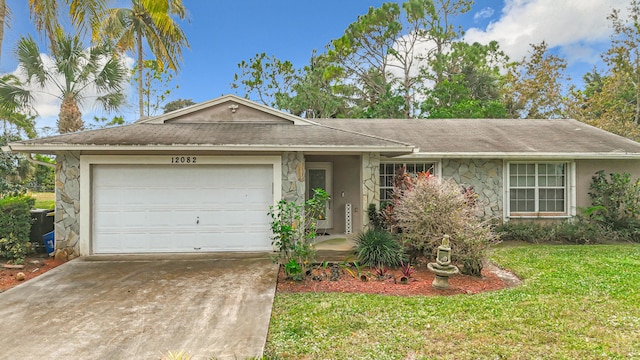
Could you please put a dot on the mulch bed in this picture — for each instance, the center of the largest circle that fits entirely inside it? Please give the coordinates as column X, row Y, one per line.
column 419, row 283
column 33, row 266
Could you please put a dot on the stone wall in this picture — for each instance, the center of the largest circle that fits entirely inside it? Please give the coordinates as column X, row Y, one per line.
column 67, row 219
column 370, row 183
column 293, row 173
column 485, row 175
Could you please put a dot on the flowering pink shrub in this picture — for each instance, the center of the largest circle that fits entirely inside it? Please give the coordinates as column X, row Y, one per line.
column 432, row 208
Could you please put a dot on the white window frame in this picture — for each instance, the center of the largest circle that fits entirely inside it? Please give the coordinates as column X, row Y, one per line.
column 569, row 186
column 436, row 170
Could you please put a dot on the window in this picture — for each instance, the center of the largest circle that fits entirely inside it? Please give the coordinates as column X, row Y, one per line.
column 388, row 172
column 538, row 189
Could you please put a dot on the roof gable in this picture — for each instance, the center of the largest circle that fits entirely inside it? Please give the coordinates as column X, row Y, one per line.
column 227, row 109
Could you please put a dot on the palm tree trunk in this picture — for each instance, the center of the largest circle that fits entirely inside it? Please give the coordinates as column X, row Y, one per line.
column 140, row 69
column 70, row 117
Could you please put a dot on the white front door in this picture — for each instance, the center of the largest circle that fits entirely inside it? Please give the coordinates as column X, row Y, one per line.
column 319, row 176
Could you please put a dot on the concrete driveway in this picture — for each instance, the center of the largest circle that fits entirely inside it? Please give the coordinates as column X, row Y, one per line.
column 104, row 308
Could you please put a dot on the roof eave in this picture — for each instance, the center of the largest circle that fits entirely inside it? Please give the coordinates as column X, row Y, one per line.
column 526, row 155
column 161, row 119
column 51, row 148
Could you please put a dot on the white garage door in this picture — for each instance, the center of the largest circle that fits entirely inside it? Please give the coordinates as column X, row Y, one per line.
column 159, row 208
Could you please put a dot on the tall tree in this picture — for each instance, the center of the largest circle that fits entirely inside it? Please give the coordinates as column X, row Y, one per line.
column 156, row 87
column 389, row 51
column 46, row 14
column 177, row 105
column 470, row 83
column 610, row 99
column 361, row 54
column 75, row 74
column 435, row 26
column 533, row 86
column 314, row 93
column 263, row 77
column 3, row 20
column 153, row 21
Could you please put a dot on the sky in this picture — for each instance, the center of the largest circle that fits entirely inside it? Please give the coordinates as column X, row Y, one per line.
column 224, row 33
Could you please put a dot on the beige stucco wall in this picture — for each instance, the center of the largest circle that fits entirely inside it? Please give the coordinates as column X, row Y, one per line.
column 230, row 112
column 346, row 179
column 585, row 169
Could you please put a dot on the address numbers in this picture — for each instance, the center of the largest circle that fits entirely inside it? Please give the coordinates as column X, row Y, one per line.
column 183, row 159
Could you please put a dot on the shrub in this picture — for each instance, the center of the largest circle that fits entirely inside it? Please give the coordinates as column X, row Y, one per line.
column 376, row 217
column 531, row 231
column 583, row 231
column 294, row 228
column 15, row 226
column 433, row 208
column 578, row 231
column 615, row 202
column 378, row 248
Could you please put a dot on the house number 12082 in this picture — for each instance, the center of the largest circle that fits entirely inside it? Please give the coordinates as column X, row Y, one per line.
column 183, row 159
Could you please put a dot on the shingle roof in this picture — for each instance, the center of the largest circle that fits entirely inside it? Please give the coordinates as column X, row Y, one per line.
column 221, row 134
column 233, row 123
column 493, row 135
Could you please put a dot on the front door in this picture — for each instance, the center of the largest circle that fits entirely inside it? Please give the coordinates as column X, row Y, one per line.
column 319, row 177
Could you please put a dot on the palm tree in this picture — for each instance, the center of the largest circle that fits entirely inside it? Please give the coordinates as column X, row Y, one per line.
column 76, row 74
column 3, row 20
column 45, row 15
column 14, row 119
column 152, row 20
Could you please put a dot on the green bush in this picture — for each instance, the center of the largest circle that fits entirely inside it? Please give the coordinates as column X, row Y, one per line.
column 615, row 201
column 577, row 231
column 376, row 218
column 43, row 178
column 531, row 231
column 433, row 208
column 378, row 248
column 15, row 226
column 294, row 228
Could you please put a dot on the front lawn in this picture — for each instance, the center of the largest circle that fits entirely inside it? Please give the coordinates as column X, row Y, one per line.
column 44, row 200
column 575, row 302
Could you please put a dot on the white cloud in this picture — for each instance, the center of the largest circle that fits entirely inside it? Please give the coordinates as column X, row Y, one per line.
column 483, row 14
column 47, row 104
column 575, row 27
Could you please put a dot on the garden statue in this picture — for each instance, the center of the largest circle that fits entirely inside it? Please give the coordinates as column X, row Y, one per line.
column 442, row 268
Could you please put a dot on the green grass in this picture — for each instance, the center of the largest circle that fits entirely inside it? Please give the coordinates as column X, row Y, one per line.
column 44, row 200
column 575, row 302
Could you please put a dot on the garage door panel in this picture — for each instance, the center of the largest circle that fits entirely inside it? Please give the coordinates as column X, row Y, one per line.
column 158, row 208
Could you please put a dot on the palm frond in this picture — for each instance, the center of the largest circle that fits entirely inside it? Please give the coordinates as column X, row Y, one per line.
column 13, row 96
column 112, row 75
column 111, row 101
column 28, row 55
column 86, row 9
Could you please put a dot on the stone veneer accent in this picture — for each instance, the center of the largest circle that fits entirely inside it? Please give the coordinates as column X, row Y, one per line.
column 293, row 173
column 370, row 186
column 485, row 175
column 67, row 213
